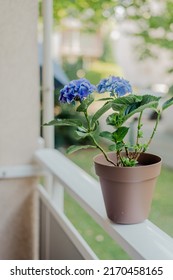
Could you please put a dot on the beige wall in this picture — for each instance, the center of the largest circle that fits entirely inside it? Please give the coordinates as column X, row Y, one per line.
column 19, row 124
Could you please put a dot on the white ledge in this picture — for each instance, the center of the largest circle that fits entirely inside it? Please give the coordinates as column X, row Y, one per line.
column 140, row 241
column 19, row 171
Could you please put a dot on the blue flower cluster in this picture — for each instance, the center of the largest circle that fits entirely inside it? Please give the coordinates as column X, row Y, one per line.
column 76, row 90
column 115, row 85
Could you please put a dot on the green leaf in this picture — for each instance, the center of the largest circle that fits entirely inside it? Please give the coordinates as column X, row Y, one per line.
column 117, row 147
column 132, row 104
column 128, row 162
column 152, row 105
column 64, row 122
column 115, row 119
column 120, row 146
column 120, row 133
column 82, row 129
column 85, row 104
column 167, row 104
column 113, row 147
column 148, row 101
column 82, row 134
column 107, row 135
column 100, row 112
column 140, row 134
column 105, row 99
column 75, row 148
column 95, row 126
column 121, row 103
column 147, row 98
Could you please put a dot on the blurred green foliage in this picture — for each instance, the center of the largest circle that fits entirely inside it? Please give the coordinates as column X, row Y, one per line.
column 146, row 13
column 101, row 69
column 154, row 20
column 97, row 70
column 71, row 68
column 90, row 12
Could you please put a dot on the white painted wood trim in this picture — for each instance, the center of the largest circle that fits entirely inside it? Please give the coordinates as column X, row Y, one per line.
column 19, row 171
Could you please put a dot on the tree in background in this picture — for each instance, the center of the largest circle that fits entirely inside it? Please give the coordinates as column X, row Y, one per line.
column 155, row 23
column 92, row 13
column 154, row 18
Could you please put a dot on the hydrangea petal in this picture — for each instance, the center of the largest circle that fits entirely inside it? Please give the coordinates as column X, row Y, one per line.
column 76, row 90
column 115, row 85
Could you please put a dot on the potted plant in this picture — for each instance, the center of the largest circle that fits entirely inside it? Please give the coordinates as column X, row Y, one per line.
column 127, row 173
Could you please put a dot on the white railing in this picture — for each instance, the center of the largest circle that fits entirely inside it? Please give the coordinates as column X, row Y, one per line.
column 140, row 241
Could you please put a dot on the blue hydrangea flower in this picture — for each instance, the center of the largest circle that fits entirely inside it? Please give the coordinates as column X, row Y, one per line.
column 115, row 85
column 76, row 90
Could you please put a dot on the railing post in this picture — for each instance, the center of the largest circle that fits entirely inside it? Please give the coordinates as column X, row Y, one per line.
column 48, row 187
column 48, row 94
column 58, row 195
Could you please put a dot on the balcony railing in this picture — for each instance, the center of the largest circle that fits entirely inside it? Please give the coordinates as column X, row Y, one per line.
column 58, row 237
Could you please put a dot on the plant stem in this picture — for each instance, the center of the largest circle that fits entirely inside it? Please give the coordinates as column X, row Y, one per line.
column 88, row 122
column 138, row 128
column 95, row 142
column 102, row 150
column 127, row 152
column 120, row 163
column 154, row 130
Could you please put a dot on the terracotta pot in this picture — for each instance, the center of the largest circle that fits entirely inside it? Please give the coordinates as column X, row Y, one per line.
column 128, row 191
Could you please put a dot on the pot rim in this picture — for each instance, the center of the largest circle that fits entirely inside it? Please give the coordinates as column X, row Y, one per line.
column 100, row 156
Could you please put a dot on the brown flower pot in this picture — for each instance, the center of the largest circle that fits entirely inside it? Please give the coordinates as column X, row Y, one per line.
column 128, row 191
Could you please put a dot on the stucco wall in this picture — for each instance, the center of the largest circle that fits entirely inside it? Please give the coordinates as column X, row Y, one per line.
column 19, row 124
